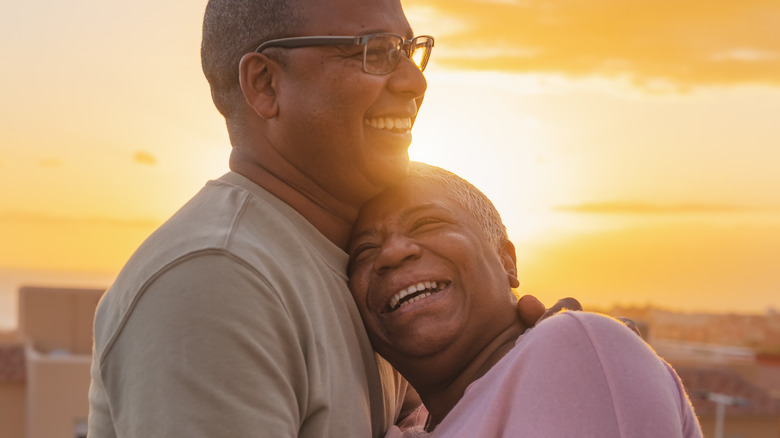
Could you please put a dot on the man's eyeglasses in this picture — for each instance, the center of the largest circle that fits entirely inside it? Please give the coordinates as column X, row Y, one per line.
column 381, row 51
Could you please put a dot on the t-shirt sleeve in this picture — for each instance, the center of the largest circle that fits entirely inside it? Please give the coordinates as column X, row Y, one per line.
column 208, row 350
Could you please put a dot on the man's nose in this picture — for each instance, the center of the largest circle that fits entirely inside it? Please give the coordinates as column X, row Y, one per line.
column 407, row 79
column 395, row 252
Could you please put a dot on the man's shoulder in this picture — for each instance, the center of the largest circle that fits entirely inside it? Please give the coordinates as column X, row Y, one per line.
column 205, row 222
column 228, row 215
column 208, row 225
column 233, row 234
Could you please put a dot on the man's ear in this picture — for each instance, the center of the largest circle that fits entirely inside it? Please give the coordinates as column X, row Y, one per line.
column 258, row 83
column 509, row 259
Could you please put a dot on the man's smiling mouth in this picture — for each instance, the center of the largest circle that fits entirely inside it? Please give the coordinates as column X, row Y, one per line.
column 398, row 124
column 415, row 292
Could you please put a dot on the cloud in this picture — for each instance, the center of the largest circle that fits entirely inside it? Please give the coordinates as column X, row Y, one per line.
column 145, row 158
column 618, row 207
column 746, row 54
column 689, row 43
column 44, row 219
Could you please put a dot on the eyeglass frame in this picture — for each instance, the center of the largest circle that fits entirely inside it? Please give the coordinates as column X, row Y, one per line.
column 314, row 41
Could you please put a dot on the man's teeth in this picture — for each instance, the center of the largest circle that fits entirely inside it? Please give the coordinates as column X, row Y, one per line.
column 390, row 123
column 430, row 287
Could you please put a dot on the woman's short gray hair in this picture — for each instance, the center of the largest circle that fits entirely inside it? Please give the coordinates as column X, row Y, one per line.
column 464, row 193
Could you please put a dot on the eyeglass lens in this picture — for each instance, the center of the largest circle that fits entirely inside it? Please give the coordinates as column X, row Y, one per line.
column 382, row 53
column 420, row 52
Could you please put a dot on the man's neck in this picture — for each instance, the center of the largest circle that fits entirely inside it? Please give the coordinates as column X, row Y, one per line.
column 330, row 216
column 441, row 397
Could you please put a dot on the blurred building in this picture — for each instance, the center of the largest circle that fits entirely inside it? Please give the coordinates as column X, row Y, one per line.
column 735, row 391
column 45, row 364
column 769, row 372
column 747, row 410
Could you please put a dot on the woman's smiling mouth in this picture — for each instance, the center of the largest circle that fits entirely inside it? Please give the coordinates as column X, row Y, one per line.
column 415, row 292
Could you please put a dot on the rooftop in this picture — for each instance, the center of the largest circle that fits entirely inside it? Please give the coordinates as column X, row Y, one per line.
column 12, row 363
column 699, row 382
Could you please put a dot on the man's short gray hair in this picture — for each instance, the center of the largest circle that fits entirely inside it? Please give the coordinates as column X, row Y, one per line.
column 232, row 28
column 462, row 192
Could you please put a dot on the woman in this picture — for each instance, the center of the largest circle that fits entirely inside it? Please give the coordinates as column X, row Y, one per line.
column 432, row 272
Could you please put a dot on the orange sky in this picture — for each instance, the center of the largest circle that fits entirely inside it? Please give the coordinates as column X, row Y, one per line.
column 632, row 147
column 662, row 42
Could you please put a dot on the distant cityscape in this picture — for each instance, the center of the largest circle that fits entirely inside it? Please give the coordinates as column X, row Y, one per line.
column 729, row 364
column 760, row 333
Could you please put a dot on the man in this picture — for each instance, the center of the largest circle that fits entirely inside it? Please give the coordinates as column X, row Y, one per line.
column 234, row 318
column 432, row 272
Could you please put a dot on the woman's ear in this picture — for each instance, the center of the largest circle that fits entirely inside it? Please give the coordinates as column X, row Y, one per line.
column 509, row 259
column 258, row 83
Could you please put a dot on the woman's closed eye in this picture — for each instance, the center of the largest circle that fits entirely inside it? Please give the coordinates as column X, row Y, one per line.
column 427, row 223
column 362, row 252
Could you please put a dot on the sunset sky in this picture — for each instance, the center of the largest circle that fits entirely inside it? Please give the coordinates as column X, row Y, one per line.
column 633, row 148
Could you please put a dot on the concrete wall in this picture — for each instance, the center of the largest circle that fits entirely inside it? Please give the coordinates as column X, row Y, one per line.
column 56, row 326
column 58, row 319
column 12, row 409
column 57, row 393
column 742, row 427
column 12, row 387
